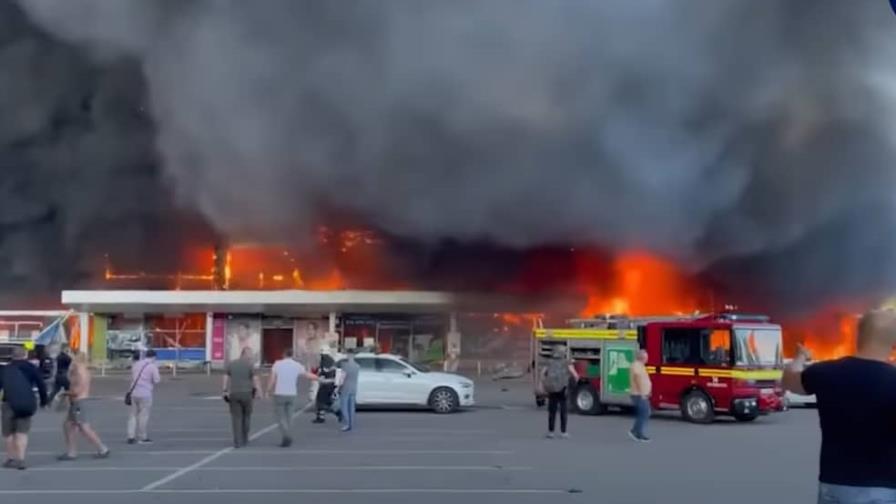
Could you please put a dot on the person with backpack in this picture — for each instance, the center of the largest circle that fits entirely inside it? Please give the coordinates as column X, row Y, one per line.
column 555, row 380
column 17, row 382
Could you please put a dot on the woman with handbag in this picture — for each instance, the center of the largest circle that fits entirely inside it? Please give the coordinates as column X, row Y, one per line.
column 144, row 378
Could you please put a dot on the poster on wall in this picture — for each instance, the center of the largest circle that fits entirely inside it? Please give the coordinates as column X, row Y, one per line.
column 244, row 332
column 310, row 338
column 219, row 330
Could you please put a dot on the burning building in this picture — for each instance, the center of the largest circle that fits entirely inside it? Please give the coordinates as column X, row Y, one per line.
column 739, row 154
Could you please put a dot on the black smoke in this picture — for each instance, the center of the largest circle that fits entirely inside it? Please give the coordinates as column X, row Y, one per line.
column 733, row 136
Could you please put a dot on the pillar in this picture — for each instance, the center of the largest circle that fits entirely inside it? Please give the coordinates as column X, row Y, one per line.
column 209, row 332
column 332, row 337
column 83, row 332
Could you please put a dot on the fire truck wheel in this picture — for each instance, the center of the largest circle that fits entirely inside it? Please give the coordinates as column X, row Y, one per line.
column 746, row 418
column 696, row 407
column 587, row 400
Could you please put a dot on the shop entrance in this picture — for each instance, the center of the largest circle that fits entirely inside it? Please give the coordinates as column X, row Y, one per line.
column 273, row 342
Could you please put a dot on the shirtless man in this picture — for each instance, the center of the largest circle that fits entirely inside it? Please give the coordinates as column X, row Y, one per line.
column 640, row 391
column 76, row 419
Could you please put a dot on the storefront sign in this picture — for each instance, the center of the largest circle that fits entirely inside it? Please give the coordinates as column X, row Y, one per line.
column 219, row 328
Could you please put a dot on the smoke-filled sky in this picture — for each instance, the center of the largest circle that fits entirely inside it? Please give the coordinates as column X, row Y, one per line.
column 751, row 140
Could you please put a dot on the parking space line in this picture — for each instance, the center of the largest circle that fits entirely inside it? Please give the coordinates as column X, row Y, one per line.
column 286, row 468
column 177, row 474
column 375, row 452
column 273, row 491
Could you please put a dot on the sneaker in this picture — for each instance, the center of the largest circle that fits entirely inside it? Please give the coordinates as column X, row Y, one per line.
column 644, row 439
column 132, row 441
column 65, row 457
column 145, row 441
column 549, row 435
column 286, row 443
column 345, row 429
column 564, row 435
column 9, row 464
column 20, row 465
column 633, row 436
column 318, row 420
column 102, row 455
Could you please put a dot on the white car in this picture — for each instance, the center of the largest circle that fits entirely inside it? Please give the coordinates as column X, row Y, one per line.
column 390, row 380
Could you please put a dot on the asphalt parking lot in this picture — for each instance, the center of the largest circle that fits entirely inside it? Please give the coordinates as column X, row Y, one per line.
column 495, row 453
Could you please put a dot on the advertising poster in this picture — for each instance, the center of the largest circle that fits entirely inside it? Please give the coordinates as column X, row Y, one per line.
column 219, row 331
column 310, row 338
column 243, row 332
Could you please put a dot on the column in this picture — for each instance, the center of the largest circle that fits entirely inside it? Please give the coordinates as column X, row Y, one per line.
column 83, row 332
column 332, row 337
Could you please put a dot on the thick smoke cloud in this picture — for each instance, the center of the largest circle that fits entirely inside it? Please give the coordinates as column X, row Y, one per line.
column 731, row 135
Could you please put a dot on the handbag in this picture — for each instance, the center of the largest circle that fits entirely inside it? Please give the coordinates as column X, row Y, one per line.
column 128, row 400
column 334, row 404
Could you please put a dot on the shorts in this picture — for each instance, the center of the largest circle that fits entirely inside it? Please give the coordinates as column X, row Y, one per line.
column 13, row 425
column 76, row 413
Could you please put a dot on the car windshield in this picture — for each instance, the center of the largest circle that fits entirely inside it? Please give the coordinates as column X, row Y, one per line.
column 758, row 346
column 419, row 367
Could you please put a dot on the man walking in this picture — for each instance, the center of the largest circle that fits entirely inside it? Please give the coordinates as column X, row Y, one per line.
column 241, row 385
column 348, row 390
column 856, row 399
column 555, row 380
column 17, row 382
column 283, row 386
column 641, row 387
column 144, row 378
column 76, row 419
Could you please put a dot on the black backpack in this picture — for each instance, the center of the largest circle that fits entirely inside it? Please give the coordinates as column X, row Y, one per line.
column 17, row 392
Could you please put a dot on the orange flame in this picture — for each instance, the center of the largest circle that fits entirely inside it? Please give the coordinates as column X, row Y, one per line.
column 641, row 284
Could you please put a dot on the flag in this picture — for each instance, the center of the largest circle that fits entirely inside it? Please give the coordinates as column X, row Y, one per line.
column 53, row 333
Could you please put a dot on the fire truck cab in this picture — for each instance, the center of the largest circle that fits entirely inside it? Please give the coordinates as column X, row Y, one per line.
column 705, row 365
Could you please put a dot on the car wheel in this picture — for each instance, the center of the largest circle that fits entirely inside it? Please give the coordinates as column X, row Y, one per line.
column 444, row 400
column 696, row 407
column 587, row 401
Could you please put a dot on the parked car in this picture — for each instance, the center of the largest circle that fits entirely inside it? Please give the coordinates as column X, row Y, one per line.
column 391, row 380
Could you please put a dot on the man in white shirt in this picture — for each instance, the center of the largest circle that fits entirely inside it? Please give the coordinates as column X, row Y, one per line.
column 283, row 387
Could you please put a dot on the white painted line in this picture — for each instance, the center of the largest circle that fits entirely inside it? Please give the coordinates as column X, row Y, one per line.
column 280, row 468
column 374, row 452
column 177, row 474
column 359, row 491
column 137, row 451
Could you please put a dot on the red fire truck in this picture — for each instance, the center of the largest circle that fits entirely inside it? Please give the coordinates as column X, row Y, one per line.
column 704, row 365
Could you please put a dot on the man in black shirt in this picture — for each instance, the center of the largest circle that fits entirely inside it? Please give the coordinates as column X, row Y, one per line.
column 60, row 378
column 17, row 382
column 857, row 411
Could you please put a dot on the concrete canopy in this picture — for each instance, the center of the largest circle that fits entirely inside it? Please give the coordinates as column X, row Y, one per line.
column 281, row 303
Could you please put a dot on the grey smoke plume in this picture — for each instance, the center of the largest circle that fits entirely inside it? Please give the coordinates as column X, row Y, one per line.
column 721, row 133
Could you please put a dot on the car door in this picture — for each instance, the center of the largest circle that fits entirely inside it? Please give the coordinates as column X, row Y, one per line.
column 403, row 383
column 371, row 385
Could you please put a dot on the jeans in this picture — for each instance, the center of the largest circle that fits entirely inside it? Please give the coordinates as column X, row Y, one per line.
column 642, row 413
column 557, row 400
column 284, row 407
column 138, row 420
column 347, row 409
column 241, row 417
column 841, row 494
